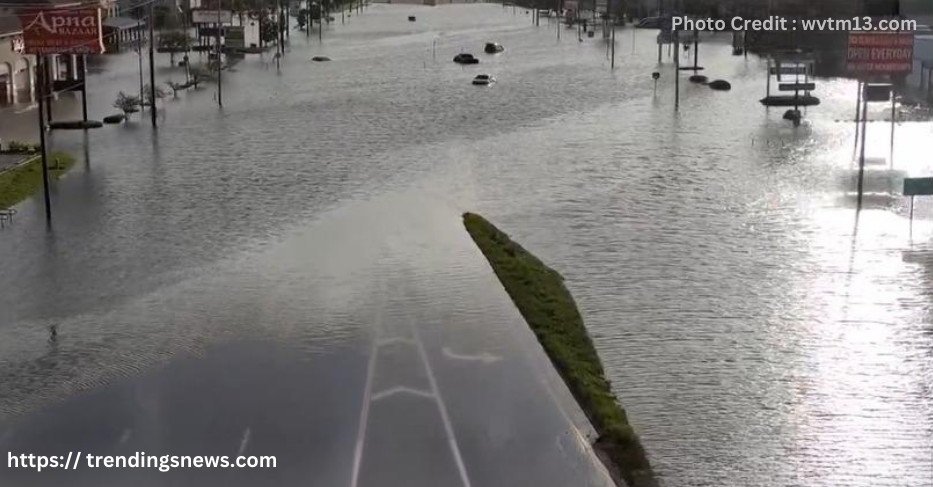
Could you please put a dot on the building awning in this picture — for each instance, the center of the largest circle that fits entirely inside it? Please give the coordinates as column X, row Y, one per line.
column 122, row 23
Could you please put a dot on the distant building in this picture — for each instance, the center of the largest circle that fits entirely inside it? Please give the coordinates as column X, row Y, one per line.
column 16, row 68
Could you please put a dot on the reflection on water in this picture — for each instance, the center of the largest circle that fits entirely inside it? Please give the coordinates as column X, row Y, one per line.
column 758, row 333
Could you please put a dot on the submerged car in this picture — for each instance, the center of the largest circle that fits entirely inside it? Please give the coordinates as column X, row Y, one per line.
column 649, row 23
column 465, row 58
column 484, row 80
column 492, row 48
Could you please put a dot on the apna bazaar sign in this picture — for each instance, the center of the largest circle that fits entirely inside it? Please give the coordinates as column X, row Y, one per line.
column 62, row 31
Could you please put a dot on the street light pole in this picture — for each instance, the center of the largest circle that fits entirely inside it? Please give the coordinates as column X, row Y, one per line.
column 42, row 75
column 152, row 90
column 220, row 85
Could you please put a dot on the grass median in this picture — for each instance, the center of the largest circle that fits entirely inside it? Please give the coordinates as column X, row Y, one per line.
column 24, row 180
column 541, row 297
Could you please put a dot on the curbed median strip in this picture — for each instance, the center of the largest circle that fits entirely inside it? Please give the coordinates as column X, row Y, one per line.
column 550, row 311
column 21, row 181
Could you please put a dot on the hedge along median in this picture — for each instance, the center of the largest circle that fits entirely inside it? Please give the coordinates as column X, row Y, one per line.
column 541, row 297
column 20, row 182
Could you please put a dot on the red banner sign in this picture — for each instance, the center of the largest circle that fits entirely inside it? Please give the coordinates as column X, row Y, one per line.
column 51, row 31
column 880, row 53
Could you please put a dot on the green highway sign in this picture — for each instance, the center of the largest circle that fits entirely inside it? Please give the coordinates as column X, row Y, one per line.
column 918, row 186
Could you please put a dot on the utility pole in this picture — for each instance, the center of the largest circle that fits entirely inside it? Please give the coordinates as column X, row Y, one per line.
column 220, row 65
column 612, row 41
column 152, row 90
column 560, row 10
column 676, row 41
column 893, row 121
column 43, row 75
column 84, row 86
column 861, row 159
column 696, row 51
column 139, row 53
column 858, row 117
column 49, row 83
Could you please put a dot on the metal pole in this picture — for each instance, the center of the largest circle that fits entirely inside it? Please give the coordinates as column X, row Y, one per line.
column 49, row 83
column 911, row 214
column 861, row 161
column 676, row 45
column 40, row 72
column 893, row 122
column 858, row 117
column 696, row 51
column 613, row 41
column 84, row 86
column 152, row 92
column 220, row 65
column 768, row 82
column 560, row 7
column 139, row 53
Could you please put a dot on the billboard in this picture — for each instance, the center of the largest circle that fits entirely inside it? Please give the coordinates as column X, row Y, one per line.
column 880, row 53
column 62, row 31
column 211, row 17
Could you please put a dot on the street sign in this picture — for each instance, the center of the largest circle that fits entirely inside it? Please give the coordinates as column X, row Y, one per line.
column 880, row 52
column 234, row 37
column 918, row 186
column 211, row 17
column 62, row 31
column 795, row 70
column 796, row 86
column 877, row 92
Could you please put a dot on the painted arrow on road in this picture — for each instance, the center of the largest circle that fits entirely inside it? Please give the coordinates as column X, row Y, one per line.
column 484, row 357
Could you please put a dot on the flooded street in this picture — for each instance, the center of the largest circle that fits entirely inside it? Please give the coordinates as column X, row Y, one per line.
column 757, row 329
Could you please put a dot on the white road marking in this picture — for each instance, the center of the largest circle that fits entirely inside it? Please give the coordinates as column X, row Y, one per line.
column 127, row 433
column 442, row 408
column 367, row 392
column 484, row 357
column 390, row 341
column 401, row 390
column 244, row 441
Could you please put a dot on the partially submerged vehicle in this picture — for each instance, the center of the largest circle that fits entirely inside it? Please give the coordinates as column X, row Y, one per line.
column 484, row 80
column 493, row 48
column 465, row 58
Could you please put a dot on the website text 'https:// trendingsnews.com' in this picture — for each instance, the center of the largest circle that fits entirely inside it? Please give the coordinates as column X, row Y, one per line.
column 163, row 463
column 777, row 23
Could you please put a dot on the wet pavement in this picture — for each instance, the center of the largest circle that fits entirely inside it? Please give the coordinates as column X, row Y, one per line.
column 395, row 370
column 757, row 331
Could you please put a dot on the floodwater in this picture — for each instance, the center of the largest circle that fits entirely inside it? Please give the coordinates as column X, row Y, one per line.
column 758, row 330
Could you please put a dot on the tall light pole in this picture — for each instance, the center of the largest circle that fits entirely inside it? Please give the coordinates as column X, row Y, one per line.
column 152, row 91
column 220, row 67
column 43, row 75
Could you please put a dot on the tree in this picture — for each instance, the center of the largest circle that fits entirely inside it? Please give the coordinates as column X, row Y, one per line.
column 303, row 18
column 147, row 95
column 270, row 29
column 173, row 42
column 199, row 74
column 175, row 87
column 127, row 104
